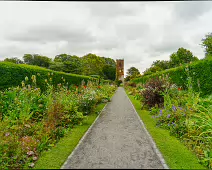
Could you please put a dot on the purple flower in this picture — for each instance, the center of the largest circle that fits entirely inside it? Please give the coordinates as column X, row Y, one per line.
column 173, row 124
column 174, row 108
column 180, row 108
column 161, row 112
column 168, row 116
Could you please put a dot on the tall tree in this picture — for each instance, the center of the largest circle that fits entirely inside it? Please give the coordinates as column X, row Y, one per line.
column 36, row 59
column 182, row 56
column 132, row 71
column 207, row 44
column 109, row 72
column 92, row 65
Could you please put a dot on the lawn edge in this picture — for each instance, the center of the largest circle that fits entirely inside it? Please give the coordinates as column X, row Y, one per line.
column 84, row 136
column 171, row 163
column 153, row 144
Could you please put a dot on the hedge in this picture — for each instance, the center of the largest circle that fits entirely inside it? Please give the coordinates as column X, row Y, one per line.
column 13, row 74
column 200, row 71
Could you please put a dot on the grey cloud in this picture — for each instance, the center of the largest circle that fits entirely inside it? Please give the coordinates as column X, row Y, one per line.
column 169, row 46
column 132, row 31
column 53, row 33
column 109, row 9
column 190, row 10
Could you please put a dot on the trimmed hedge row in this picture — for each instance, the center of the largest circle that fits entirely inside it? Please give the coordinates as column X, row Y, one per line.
column 201, row 73
column 13, row 74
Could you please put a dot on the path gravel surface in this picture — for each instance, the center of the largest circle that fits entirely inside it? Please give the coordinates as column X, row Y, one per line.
column 116, row 140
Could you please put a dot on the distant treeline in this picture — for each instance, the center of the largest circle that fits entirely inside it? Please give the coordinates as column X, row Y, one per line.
column 88, row 65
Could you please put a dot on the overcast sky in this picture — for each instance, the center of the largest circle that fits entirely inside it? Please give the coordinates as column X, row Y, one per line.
column 138, row 32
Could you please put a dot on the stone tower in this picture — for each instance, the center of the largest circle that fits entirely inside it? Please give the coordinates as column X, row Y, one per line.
column 120, row 69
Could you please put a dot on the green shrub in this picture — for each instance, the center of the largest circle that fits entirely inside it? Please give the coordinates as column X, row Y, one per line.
column 199, row 71
column 118, row 82
column 12, row 75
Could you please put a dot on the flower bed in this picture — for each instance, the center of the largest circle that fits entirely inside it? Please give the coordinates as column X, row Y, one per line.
column 183, row 112
column 33, row 121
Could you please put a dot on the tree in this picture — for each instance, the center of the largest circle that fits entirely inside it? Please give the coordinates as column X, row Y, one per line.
column 36, row 59
column 161, row 64
column 93, row 64
column 132, row 72
column 14, row 60
column 207, row 44
column 57, row 66
column 182, row 56
column 109, row 72
column 69, row 63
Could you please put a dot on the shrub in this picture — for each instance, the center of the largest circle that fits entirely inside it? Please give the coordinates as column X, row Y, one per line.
column 153, row 91
column 118, row 82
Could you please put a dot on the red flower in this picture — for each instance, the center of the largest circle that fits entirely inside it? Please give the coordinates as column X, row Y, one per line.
column 179, row 89
column 99, row 87
column 85, row 86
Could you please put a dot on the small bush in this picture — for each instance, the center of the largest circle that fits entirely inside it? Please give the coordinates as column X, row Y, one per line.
column 154, row 89
column 118, row 82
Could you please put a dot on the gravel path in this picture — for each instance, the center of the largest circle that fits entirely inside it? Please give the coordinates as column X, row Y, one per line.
column 116, row 140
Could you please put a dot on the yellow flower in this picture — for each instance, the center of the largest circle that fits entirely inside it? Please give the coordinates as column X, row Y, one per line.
column 26, row 78
column 22, row 83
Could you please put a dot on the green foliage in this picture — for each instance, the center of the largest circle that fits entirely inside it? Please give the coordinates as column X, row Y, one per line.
column 186, row 115
column 36, row 59
column 33, row 121
column 176, row 155
column 95, row 65
column 207, row 44
column 156, row 66
column 181, row 57
column 13, row 74
column 199, row 71
column 67, row 63
column 118, row 82
column 14, row 60
column 153, row 91
column 132, row 71
column 109, row 72
column 89, row 64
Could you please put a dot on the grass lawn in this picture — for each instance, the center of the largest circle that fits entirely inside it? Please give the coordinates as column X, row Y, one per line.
column 55, row 158
column 176, row 155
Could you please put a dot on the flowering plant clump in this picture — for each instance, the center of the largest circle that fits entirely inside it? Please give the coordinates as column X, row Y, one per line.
column 33, row 121
column 188, row 117
column 153, row 91
column 181, row 111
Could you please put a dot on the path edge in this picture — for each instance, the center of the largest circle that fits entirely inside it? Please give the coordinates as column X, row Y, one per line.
column 158, row 153
column 84, row 136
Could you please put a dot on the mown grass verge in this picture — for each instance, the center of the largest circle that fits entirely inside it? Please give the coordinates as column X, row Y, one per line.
column 55, row 158
column 176, row 155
